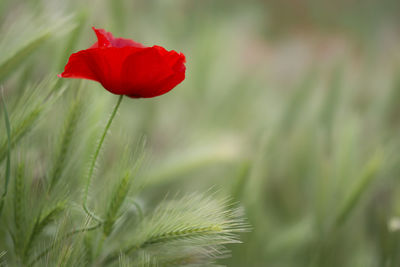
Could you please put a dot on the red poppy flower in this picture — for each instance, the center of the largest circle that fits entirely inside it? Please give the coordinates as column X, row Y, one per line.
column 125, row 67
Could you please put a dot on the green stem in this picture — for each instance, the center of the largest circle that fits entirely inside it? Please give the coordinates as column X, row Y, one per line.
column 93, row 163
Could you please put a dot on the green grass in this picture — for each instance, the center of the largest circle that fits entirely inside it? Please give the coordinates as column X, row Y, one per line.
column 284, row 136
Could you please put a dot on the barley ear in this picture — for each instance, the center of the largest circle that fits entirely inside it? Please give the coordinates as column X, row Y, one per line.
column 40, row 223
column 65, row 144
column 117, row 199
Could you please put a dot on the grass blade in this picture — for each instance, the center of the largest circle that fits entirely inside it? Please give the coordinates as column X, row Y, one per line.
column 370, row 171
column 19, row 214
column 20, row 130
column 8, row 162
column 12, row 62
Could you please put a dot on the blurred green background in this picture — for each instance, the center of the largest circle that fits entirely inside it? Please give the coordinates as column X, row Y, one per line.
column 291, row 107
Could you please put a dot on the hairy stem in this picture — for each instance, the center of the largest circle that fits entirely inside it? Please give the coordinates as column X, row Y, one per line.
column 94, row 160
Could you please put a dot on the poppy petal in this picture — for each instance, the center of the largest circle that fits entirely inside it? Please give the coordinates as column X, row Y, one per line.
column 151, row 71
column 99, row 64
column 173, row 80
column 106, row 39
column 80, row 66
column 102, row 38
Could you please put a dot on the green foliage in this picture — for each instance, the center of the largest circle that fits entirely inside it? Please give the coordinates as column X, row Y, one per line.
column 9, row 64
column 190, row 230
column 8, row 151
column 199, row 225
column 66, row 139
column 29, row 109
column 369, row 172
column 117, row 199
column 40, row 223
column 290, row 111
column 19, row 208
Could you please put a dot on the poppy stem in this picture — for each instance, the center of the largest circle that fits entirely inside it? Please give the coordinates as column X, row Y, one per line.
column 94, row 160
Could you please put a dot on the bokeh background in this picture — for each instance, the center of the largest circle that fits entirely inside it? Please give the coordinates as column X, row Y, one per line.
column 290, row 107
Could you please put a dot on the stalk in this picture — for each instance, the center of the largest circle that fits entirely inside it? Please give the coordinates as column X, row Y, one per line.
column 94, row 160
